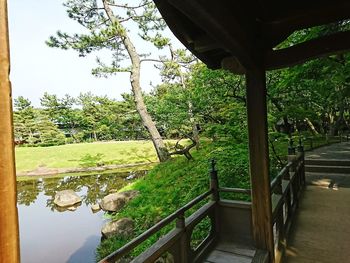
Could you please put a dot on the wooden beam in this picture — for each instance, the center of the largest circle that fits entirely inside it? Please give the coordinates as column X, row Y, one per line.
column 227, row 32
column 259, row 160
column 183, row 28
column 9, row 240
column 204, row 44
column 278, row 30
column 232, row 64
column 311, row 49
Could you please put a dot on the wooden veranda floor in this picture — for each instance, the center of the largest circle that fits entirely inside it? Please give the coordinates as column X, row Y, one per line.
column 228, row 252
column 321, row 230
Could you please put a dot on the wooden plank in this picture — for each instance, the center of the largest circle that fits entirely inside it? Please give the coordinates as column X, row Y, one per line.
column 259, row 160
column 311, row 49
column 9, row 239
column 160, row 247
column 236, row 249
column 261, row 256
column 217, row 256
column 325, row 13
column 213, row 21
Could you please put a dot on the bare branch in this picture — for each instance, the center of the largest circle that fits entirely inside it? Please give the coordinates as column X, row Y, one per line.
column 181, row 150
column 127, row 6
column 151, row 60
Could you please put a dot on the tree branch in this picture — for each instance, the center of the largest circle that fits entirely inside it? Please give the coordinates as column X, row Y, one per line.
column 180, row 150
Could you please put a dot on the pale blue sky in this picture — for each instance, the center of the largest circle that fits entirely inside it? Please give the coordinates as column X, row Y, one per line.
column 36, row 68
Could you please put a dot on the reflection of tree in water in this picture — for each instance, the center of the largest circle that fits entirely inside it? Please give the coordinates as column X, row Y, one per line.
column 91, row 188
column 27, row 191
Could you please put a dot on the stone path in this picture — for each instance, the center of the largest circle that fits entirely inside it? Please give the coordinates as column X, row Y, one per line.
column 334, row 151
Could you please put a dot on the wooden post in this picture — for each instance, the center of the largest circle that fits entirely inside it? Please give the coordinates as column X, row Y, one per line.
column 259, row 160
column 9, row 241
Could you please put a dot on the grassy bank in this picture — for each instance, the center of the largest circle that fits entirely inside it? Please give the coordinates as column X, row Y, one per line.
column 74, row 155
column 171, row 185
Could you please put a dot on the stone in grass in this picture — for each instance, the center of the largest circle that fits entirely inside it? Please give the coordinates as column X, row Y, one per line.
column 66, row 198
column 95, row 208
column 116, row 201
column 123, row 227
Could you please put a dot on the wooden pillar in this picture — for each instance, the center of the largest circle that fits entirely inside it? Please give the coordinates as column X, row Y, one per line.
column 259, row 160
column 9, row 240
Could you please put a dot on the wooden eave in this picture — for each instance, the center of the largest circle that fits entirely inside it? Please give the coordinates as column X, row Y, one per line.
column 247, row 31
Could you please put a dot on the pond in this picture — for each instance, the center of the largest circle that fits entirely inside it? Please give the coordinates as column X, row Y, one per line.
column 50, row 234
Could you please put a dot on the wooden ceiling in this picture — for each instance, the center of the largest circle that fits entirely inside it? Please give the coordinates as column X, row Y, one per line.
column 242, row 34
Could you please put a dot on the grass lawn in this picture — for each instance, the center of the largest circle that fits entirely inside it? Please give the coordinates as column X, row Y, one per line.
column 70, row 155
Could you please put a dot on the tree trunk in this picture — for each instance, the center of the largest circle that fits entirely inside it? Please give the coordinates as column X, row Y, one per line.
column 195, row 131
column 331, row 124
column 147, row 121
column 311, row 126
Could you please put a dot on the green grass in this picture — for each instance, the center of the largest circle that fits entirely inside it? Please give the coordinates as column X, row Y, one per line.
column 69, row 156
column 171, row 185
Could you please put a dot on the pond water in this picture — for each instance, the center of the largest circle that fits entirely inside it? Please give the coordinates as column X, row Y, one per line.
column 50, row 234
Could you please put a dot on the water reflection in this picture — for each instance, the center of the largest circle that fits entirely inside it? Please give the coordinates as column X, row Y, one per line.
column 98, row 186
column 50, row 236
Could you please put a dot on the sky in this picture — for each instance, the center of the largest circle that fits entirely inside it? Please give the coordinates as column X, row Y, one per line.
column 37, row 68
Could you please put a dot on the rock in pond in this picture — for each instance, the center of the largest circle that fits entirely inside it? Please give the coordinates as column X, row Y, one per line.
column 114, row 202
column 66, row 198
column 122, row 227
column 95, row 208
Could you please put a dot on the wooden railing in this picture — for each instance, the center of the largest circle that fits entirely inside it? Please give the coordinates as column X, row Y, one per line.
column 177, row 243
column 286, row 188
column 311, row 143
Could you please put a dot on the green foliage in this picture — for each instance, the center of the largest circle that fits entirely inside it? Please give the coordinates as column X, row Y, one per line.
column 33, row 127
column 85, row 118
column 314, row 95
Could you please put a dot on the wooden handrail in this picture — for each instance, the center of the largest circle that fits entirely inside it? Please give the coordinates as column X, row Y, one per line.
column 280, row 175
column 235, row 190
column 285, row 189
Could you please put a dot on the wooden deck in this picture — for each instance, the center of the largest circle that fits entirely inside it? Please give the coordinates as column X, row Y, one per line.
column 234, row 253
column 321, row 232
